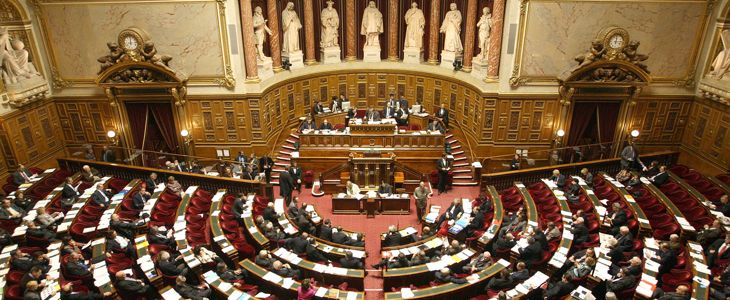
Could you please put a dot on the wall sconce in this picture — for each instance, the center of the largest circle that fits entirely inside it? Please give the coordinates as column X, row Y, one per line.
column 634, row 133
column 112, row 135
column 186, row 136
column 558, row 137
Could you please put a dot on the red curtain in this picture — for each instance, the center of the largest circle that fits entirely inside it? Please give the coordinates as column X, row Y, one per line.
column 137, row 115
column 162, row 115
column 607, row 119
column 583, row 114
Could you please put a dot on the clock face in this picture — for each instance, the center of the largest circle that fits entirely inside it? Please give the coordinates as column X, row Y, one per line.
column 130, row 43
column 616, row 41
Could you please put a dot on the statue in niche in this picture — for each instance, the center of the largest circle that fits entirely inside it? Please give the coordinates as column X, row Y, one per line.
column 15, row 65
column 721, row 64
column 330, row 26
column 485, row 28
column 372, row 25
column 415, row 23
column 290, row 26
column 259, row 31
column 451, row 27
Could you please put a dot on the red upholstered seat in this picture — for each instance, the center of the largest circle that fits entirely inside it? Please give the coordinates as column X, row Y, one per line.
column 13, row 293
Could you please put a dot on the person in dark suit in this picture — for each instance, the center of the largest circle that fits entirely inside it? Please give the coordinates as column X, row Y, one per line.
column 339, row 237
column 296, row 175
column 89, row 174
column 541, row 239
column 241, row 158
column 132, row 287
column 719, row 251
column 264, row 260
column 580, row 231
column 140, row 198
column 236, row 277
column 123, row 227
column 515, row 163
column 39, row 232
column 505, row 241
column 617, row 218
column 265, row 165
column 625, row 240
column 21, row 261
column 389, row 112
column 108, row 155
column 357, row 241
column 443, row 115
column 298, row 244
column 724, row 206
column 151, row 182
column 308, row 125
column 444, row 166
column 32, row 290
column 385, row 188
column 587, row 176
column 401, row 116
column 435, row 126
column 629, row 157
column 660, row 178
column 392, row 102
column 69, row 193
column 558, row 179
column 444, row 276
column 35, row 274
column 169, row 266
column 325, row 125
column 75, row 266
column 372, row 115
column 10, row 210
column 392, row 238
column 304, row 224
column 22, row 201
column 313, row 253
column 325, row 231
column 188, row 291
column 453, row 212
column 476, row 222
column 317, row 108
column 238, row 205
column 680, row 293
column 500, row 282
column 478, row 263
column 336, row 104
column 157, row 236
column 286, row 186
column 521, row 273
column 22, row 175
column 116, row 243
column 403, row 103
column 532, row 253
column 68, row 293
column 285, row 270
column 101, row 197
column 350, row 262
column 667, row 259
column 560, row 289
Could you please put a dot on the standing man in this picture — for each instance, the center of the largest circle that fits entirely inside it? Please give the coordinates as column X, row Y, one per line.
column 443, row 167
column 296, row 175
column 286, row 185
column 401, row 116
column 402, row 102
column 241, row 158
column 629, row 157
column 389, row 112
column 265, row 165
column 443, row 115
column 421, row 195
column 108, row 155
column 392, row 102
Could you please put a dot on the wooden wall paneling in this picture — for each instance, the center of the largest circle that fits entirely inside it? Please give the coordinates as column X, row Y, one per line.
column 661, row 121
column 31, row 134
column 707, row 132
column 85, row 121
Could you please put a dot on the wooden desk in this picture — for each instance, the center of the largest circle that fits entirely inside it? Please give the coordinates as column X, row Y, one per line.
column 220, row 241
column 98, row 253
column 276, row 287
column 561, row 254
column 143, row 257
column 644, row 225
column 83, row 199
column 530, row 207
column 222, row 288
column 395, row 206
column 347, row 205
column 370, row 129
column 422, row 274
column 453, row 290
column 486, row 238
column 696, row 254
column 333, row 118
column 317, row 144
column 332, row 275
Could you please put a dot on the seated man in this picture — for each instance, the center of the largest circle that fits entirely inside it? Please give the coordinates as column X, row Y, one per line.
column 352, row 189
column 617, row 218
column 313, row 253
column 264, row 260
column 444, row 276
column 10, row 210
column 350, row 262
column 339, row 236
column 22, row 175
column 559, row 289
column 478, row 263
column 123, row 227
column 325, row 125
column 22, row 201
column 236, row 277
column 89, row 174
column 308, row 125
column 285, row 270
column 199, row 292
column 298, row 244
column 358, row 241
column 140, row 198
column 101, row 197
column 69, row 193
column 505, row 241
column 46, row 220
column 392, row 238
column 161, row 236
column 151, row 183
column 680, row 293
column 660, row 178
column 453, row 212
column 75, row 266
column 325, row 231
column 169, row 266
column 270, row 213
column 532, row 253
column 271, row 233
column 558, row 179
column 580, row 231
column 68, row 293
column 385, row 188
column 401, row 117
column 35, row 274
column 129, row 286
column 38, row 232
column 115, row 243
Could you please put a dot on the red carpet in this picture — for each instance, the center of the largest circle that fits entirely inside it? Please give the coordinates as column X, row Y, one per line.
column 372, row 228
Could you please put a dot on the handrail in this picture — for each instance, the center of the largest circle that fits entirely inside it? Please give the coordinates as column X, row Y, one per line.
column 485, row 160
column 409, row 170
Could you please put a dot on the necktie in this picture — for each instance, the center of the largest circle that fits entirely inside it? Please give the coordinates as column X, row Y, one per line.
column 25, row 176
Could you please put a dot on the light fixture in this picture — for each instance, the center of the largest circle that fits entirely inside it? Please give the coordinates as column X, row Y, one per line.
column 561, row 133
column 112, row 135
column 186, row 136
column 634, row 133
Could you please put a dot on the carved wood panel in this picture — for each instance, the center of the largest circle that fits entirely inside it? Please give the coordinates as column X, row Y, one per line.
column 216, row 121
column 85, row 121
column 31, row 134
column 661, row 121
column 706, row 133
column 518, row 121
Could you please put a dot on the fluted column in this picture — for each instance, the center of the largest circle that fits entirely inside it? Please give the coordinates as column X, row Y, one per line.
column 495, row 38
column 309, row 57
column 249, row 43
column 433, row 33
column 274, row 43
column 393, row 30
column 471, row 23
column 350, row 31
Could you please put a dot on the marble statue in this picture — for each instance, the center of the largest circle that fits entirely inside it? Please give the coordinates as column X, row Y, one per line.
column 290, row 26
column 415, row 23
column 721, row 64
column 259, row 31
column 451, row 27
column 15, row 65
column 485, row 27
column 372, row 25
column 330, row 26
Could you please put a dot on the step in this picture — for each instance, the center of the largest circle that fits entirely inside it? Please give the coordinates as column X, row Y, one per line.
column 463, row 177
column 448, row 136
column 283, row 158
column 288, row 147
column 274, row 182
column 290, row 141
column 461, row 165
column 461, row 170
column 294, row 135
column 468, row 183
column 277, row 170
column 452, row 141
column 456, row 147
column 459, row 158
column 285, row 165
column 289, row 153
column 457, row 152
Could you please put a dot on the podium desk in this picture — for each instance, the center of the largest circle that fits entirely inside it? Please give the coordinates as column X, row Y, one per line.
column 400, row 205
column 346, row 205
column 333, row 118
column 384, row 205
column 372, row 129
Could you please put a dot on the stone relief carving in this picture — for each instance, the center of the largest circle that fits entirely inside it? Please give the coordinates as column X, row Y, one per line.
column 613, row 72
column 721, row 63
column 147, row 53
column 15, row 64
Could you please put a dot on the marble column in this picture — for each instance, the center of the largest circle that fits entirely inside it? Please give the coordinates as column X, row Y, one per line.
column 433, row 32
column 274, row 43
column 309, row 55
column 249, row 42
column 495, row 39
column 471, row 24
column 351, row 35
column 393, row 30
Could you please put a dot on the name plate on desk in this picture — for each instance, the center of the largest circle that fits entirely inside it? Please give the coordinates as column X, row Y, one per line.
column 372, row 128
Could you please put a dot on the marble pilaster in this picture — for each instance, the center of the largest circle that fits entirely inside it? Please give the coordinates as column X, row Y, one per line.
column 433, row 32
column 471, row 23
column 309, row 55
column 495, row 38
column 249, row 43
column 274, row 43
column 393, row 30
column 351, row 34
